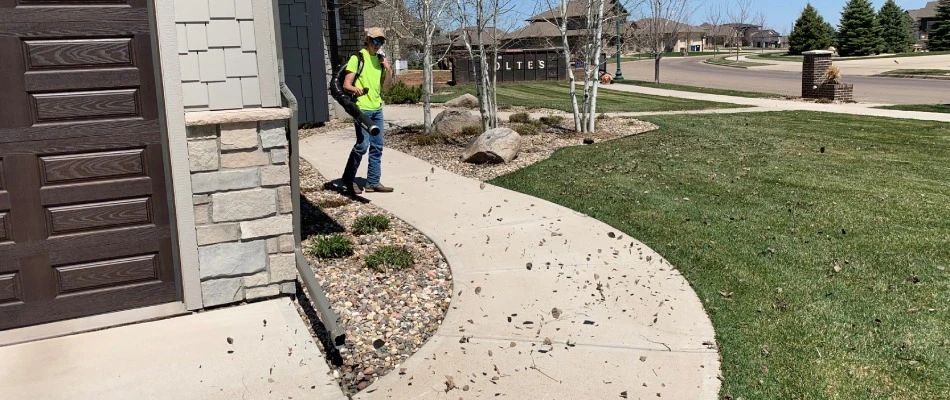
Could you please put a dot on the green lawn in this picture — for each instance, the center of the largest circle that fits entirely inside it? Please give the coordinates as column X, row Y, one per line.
column 826, row 274
column 697, row 89
column 556, row 95
column 731, row 62
column 936, row 108
column 799, row 58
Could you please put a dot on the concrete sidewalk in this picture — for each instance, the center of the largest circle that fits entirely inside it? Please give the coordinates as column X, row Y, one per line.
column 548, row 303
column 178, row 358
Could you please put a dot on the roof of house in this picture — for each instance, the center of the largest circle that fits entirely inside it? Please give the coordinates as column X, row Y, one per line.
column 929, row 11
column 667, row 26
column 575, row 8
column 767, row 33
column 455, row 37
column 541, row 29
column 721, row 30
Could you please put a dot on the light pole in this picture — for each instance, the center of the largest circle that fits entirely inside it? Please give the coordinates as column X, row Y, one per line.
column 619, row 75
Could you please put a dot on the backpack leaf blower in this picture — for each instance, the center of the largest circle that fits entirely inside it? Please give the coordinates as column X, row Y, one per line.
column 347, row 99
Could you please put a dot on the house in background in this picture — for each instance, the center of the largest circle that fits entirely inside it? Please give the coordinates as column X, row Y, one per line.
column 543, row 30
column 145, row 166
column 766, row 39
column 925, row 20
column 677, row 37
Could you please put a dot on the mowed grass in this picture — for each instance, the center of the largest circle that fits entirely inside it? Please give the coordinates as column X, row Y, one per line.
column 731, row 62
column 556, row 95
column 934, row 108
column 826, row 273
column 697, row 89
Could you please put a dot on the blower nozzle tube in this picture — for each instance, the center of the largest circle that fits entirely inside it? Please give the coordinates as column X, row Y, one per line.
column 346, row 100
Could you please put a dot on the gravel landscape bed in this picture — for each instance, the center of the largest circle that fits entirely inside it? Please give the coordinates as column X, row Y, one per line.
column 534, row 148
column 387, row 316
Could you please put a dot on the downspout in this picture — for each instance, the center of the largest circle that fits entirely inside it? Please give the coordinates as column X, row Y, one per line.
column 336, row 336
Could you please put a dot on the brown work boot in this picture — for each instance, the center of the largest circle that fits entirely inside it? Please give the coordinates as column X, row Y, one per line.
column 352, row 188
column 379, row 188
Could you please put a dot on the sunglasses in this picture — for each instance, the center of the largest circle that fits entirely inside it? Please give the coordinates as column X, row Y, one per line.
column 378, row 41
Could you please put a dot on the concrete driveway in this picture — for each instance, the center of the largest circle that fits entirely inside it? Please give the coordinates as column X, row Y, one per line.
column 692, row 71
column 255, row 351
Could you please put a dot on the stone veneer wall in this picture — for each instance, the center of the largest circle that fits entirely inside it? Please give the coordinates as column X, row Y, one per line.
column 243, row 210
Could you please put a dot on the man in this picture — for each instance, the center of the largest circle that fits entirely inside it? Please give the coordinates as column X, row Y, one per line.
column 367, row 87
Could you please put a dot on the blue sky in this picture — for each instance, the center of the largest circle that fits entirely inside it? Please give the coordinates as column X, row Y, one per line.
column 780, row 14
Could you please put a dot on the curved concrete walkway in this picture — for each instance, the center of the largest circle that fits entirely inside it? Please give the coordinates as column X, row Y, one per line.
column 627, row 323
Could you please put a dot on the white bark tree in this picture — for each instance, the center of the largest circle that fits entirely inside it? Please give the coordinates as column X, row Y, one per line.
column 761, row 21
column 740, row 14
column 663, row 23
column 714, row 17
column 486, row 41
column 431, row 14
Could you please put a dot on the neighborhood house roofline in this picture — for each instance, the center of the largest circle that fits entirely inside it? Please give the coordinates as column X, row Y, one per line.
column 929, row 11
column 574, row 9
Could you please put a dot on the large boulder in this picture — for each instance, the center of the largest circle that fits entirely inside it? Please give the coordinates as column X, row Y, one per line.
column 464, row 101
column 453, row 120
column 494, row 146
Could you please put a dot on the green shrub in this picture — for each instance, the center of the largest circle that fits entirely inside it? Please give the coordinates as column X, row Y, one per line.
column 333, row 246
column 428, row 139
column 551, row 120
column 370, row 224
column 519, row 118
column 400, row 93
column 526, row 129
column 396, row 257
column 473, row 130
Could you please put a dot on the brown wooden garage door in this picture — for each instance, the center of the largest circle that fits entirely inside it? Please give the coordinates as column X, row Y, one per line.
column 83, row 209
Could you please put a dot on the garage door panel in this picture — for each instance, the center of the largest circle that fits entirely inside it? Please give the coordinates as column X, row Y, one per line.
column 82, row 158
column 4, row 232
column 57, row 81
column 97, row 216
column 112, row 141
column 52, row 107
column 10, row 288
column 135, row 131
column 70, row 305
column 97, row 165
column 90, row 191
column 108, row 273
column 71, row 53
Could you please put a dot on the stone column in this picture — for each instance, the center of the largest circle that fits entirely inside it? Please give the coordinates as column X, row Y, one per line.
column 813, row 72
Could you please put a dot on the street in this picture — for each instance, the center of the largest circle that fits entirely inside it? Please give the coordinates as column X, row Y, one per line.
column 692, row 71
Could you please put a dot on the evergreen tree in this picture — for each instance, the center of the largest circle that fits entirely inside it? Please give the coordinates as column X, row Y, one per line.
column 940, row 36
column 810, row 32
column 832, row 33
column 860, row 33
column 896, row 32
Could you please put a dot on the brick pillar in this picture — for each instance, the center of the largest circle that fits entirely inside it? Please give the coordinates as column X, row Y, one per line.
column 813, row 72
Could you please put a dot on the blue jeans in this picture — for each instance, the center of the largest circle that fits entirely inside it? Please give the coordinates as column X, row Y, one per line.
column 364, row 142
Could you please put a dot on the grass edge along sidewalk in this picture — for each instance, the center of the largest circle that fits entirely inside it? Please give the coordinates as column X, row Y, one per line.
column 816, row 242
column 556, row 95
column 699, row 89
column 934, row 108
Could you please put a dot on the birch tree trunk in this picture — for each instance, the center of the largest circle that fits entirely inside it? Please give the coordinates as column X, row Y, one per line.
column 597, row 43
